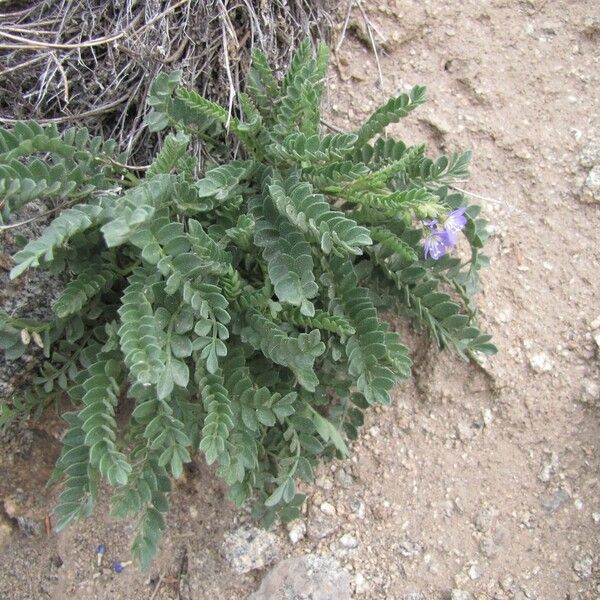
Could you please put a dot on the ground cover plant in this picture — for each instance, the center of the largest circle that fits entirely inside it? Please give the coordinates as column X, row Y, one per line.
column 234, row 312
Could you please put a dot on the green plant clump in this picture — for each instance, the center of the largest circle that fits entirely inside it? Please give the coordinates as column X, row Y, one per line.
column 236, row 313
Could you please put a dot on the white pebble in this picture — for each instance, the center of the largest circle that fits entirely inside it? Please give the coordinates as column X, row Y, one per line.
column 327, row 508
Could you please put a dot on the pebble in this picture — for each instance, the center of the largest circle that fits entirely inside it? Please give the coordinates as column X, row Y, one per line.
column 583, row 567
column 505, row 315
column 248, row 548
column 488, row 547
column 484, row 519
column 327, row 508
column 348, row 541
column 552, row 503
column 361, row 585
column 488, row 416
column 409, row 548
column 540, row 362
column 430, row 563
column 590, row 192
column 474, row 572
column 296, row 531
column 596, row 518
column 324, row 483
column 343, row 479
column 507, row 583
column 548, row 466
column 528, row 519
column 460, row 595
column 591, row 389
column 6, row 531
column 464, row 432
column 590, row 156
column 309, row 576
column 319, row 525
column 359, row 508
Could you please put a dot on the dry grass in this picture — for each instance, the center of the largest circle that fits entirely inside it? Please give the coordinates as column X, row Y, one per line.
column 91, row 61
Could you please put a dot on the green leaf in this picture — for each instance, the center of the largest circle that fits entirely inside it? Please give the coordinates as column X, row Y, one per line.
column 391, row 112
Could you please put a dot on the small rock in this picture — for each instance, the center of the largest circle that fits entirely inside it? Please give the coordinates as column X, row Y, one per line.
column 505, row 315
column 305, row 577
column 595, row 324
column 590, row 157
column 488, row 547
column 488, row 417
column 248, row 548
column 30, row 526
column 591, row 26
column 507, row 583
column 596, row 518
column 528, row 519
column 361, row 585
column 320, row 525
column 409, row 548
column 430, row 563
column 591, row 389
column 548, row 466
column 348, row 541
column 296, row 531
column 540, row 362
column 328, row 509
column 474, row 572
column 549, row 29
column 583, row 567
column 413, row 596
column 28, row 516
column 359, row 508
column 464, row 432
column 590, row 192
column 460, row 595
column 596, row 338
column 324, row 483
column 484, row 519
column 343, row 479
column 555, row 501
column 6, row 531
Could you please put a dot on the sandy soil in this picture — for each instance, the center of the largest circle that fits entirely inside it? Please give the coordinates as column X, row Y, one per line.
column 479, row 479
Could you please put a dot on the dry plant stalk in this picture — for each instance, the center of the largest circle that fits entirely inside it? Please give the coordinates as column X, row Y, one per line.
column 91, row 62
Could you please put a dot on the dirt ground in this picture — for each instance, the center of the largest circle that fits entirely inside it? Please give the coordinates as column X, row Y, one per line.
column 482, row 480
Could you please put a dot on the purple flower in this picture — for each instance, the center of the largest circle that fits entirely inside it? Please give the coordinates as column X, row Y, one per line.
column 118, row 566
column 454, row 224
column 101, row 549
column 431, row 223
column 436, row 244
